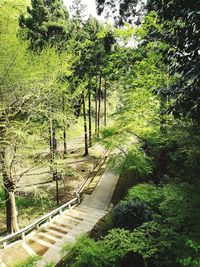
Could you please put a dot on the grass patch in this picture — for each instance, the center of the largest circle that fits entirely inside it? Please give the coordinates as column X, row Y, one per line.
column 30, row 207
column 30, row 262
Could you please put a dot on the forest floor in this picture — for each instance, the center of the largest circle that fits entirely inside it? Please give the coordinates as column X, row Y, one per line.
column 36, row 191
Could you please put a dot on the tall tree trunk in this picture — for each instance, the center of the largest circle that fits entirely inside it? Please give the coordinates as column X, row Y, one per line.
column 51, row 141
column 55, row 175
column 89, row 116
column 99, row 106
column 65, row 140
column 96, row 103
column 105, row 103
column 64, row 127
column 9, row 185
column 52, row 136
column 53, row 151
column 11, row 212
column 85, row 125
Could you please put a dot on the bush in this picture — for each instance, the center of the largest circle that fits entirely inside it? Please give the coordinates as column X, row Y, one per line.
column 193, row 257
column 112, row 137
column 30, row 262
column 111, row 250
column 132, row 259
column 131, row 214
column 85, row 253
column 134, row 160
column 146, row 193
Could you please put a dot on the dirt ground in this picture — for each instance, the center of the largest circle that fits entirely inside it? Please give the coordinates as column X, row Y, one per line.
column 38, row 183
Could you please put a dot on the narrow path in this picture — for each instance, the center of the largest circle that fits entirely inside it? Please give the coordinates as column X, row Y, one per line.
column 50, row 238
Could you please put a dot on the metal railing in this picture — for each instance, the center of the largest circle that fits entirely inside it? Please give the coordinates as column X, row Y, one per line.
column 95, row 169
column 35, row 225
column 47, row 217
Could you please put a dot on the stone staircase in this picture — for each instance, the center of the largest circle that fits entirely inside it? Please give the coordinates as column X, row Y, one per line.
column 49, row 239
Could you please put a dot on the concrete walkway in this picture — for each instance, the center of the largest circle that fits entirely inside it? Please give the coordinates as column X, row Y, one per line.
column 50, row 238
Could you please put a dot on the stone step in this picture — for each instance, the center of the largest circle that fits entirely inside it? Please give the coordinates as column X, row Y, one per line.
column 63, row 223
column 50, row 237
column 66, row 227
column 28, row 249
column 71, row 217
column 67, row 222
column 58, row 228
column 40, row 241
column 52, row 232
column 88, row 209
column 78, row 219
column 76, row 232
column 38, row 248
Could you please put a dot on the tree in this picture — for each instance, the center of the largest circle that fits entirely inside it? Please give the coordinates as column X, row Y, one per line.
column 180, row 21
column 26, row 78
column 45, row 24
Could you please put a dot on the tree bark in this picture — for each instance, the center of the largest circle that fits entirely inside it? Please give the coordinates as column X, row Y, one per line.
column 64, row 127
column 89, row 116
column 85, row 126
column 52, row 137
column 65, row 140
column 11, row 212
column 105, row 103
column 96, row 103
column 99, row 106
column 53, row 151
column 9, row 186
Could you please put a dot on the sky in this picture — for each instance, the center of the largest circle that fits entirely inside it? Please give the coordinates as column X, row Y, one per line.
column 91, row 6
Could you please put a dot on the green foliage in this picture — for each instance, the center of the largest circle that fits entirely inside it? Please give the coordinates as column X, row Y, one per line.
column 175, row 209
column 155, row 239
column 194, row 258
column 45, row 24
column 146, row 193
column 34, row 84
column 180, row 29
column 30, row 262
column 180, row 208
column 40, row 198
column 2, row 196
column 50, row 265
column 108, row 251
column 130, row 214
column 134, row 160
column 112, row 137
column 84, row 253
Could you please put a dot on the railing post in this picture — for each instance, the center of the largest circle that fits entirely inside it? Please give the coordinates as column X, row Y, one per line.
column 78, row 198
column 4, row 244
column 23, row 236
column 61, row 212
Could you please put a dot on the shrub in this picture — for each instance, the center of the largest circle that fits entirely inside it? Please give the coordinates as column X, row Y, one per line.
column 111, row 250
column 193, row 257
column 112, row 137
column 131, row 214
column 134, row 160
column 30, row 262
column 147, row 193
column 85, row 253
